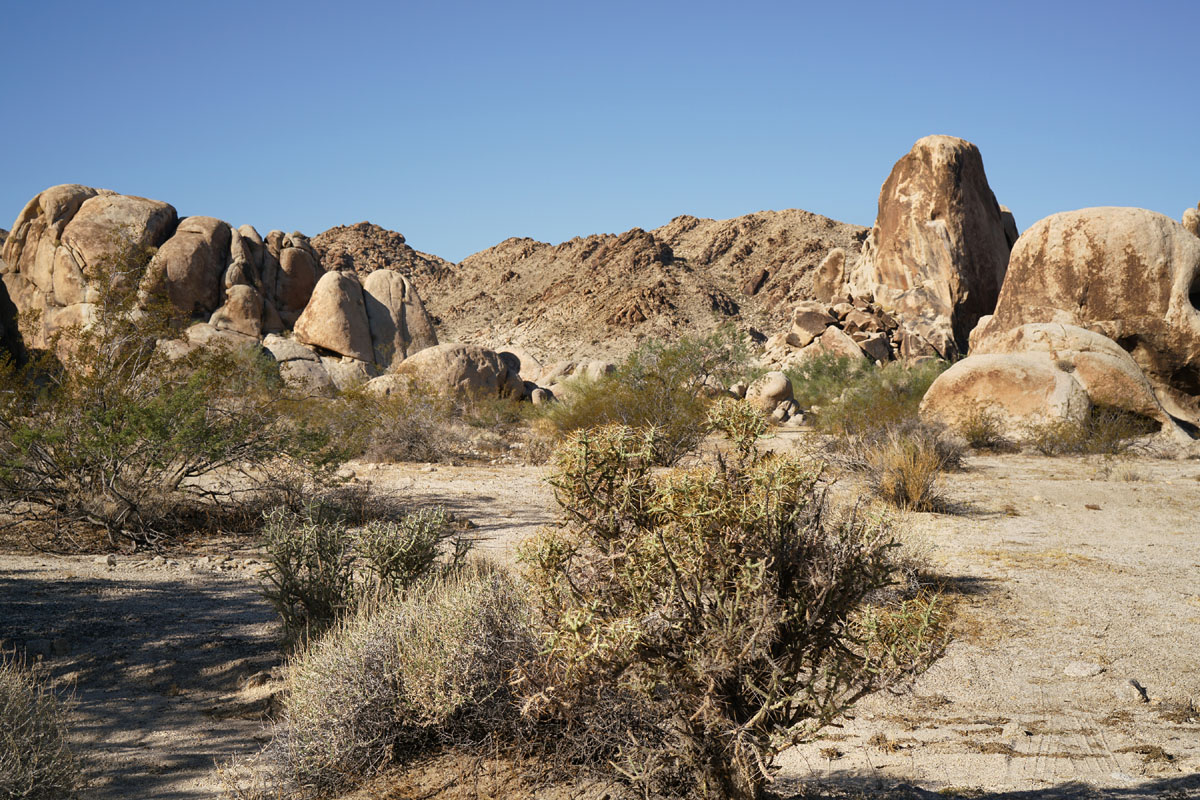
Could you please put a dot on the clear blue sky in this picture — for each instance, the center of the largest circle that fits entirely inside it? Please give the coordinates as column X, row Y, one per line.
column 460, row 124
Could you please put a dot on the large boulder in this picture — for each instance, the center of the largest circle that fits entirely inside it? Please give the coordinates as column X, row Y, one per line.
column 1044, row 372
column 297, row 273
column 299, row 366
column 64, row 237
column 335, row 318
column 463, row 369
column 939, row 249
column 1191, row 220
column 398, row 323
column 769, row 391
column 1129, row 274
column 241, row 313
column 191, row 264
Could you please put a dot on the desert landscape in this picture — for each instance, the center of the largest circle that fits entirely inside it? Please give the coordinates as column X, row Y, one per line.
column 210, row 522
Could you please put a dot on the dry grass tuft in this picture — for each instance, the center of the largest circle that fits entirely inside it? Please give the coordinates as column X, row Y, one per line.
column 35, row 762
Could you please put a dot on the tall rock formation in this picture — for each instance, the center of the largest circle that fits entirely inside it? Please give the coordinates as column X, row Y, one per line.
column 937, row 254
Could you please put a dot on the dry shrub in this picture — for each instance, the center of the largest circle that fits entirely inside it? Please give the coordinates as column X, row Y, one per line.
column 903, row 465
column 1104, row 431
column 421, row 670
column 35, row 763
column 696, row 623
column 666, row 387
column 318, row 568
column 983, row 429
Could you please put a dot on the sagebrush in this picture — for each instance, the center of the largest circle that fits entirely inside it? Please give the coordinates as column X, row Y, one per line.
column 424, row 669
column 35, row 761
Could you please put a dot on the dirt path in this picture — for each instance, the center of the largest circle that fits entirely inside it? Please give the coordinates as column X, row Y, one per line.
column 1076, row 577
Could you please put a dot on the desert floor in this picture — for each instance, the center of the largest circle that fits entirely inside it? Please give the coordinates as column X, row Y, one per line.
column 1075, row 579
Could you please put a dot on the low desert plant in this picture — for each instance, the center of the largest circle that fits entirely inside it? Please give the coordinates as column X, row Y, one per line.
column 854, row 397
column 704, row 620
column 1103, row 431
column 420, row 670
column 662, row 386
column 983, row 429
column 903, row 464
column 413, row 423
column 110, row 430
column 319, row 569
column 35, row 762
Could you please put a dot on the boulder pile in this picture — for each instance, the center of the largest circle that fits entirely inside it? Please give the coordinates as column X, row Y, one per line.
column 1100, row 308
column 234, row 285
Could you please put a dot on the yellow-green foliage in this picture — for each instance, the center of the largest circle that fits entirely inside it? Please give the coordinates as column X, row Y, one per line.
column 705, row 619
column 855, row 396
column 35, row 762
column 662, row 386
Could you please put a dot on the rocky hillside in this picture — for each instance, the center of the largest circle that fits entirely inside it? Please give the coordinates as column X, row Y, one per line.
column 599, row 295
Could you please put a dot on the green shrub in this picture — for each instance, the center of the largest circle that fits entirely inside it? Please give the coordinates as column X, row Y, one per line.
column 854, row 397
column 35, row 762
column 106, row 430
column 662, row 386
column 426, row 668
column 1104, row 431
column 318, row 569
column 411, row 424
column 698, row 622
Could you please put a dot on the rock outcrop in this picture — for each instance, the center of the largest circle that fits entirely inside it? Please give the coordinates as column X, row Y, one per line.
column 599, row 296
column 232, row 284
column 1191, row 220
column 463, row 369
column 1045, row 372
column 937, row 254
column 1128, row 274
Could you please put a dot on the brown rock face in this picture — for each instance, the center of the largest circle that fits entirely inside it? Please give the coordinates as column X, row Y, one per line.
column 1127, row 273
column 600, row 295
column 939, row 248
column 463, row 369
column 192, row 263
column 398, row 321
column 336, row 318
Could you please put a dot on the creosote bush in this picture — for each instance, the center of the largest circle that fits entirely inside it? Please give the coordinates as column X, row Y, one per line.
column 1104, row 431
column 35, row 762
column 854, row 396
column 107, row 430
column 696, row 623
column 662, row 386
column 319, row 568
column 419, row 670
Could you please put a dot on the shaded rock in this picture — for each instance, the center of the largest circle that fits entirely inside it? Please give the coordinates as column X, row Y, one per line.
column 834, row 341
column 348, row 373
column 768, row 391
column 463, row 369
column 297, row 278
column 877, row 347
column 242, row 312
column 336, row 318
column 191, row 264
column 529, row 367
column 809, row 320
column 1129, row 274
column 398, row 323
column 829, row 282
column 939, row 248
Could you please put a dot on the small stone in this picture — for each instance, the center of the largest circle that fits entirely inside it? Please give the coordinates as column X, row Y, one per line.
column 1082, row 669
column 1132, row 691
column 158, row 561
column 60, row 647
column 430, row 468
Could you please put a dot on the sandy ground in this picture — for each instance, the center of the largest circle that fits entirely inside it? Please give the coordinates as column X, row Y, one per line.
column 1062, row 605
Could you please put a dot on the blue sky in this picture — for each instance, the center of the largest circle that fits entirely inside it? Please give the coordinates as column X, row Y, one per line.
column 460, row 124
